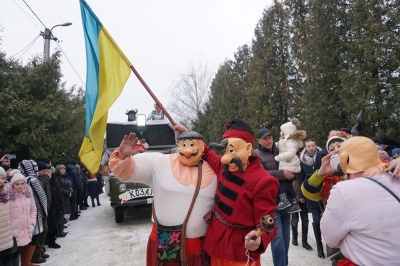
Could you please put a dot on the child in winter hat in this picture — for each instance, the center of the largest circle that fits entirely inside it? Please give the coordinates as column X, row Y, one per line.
column 288, row 145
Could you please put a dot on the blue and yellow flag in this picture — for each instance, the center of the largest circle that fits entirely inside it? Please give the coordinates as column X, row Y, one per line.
column 108, row 69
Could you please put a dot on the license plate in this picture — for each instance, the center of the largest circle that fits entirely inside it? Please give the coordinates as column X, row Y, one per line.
column 135, row 194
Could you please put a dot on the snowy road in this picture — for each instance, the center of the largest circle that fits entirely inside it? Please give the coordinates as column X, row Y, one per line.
column 96, row 240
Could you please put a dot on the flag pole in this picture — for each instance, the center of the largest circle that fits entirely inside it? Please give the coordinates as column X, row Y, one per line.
column 152, row 95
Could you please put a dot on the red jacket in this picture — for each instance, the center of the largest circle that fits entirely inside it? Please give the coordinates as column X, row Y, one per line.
column 242, row 198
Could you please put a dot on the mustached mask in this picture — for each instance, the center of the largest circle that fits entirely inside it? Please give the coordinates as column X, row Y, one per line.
column 190, row 148
column 237, row 143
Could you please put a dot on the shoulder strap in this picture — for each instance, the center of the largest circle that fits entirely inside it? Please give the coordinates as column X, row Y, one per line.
column 196, row 193
column 385, row 187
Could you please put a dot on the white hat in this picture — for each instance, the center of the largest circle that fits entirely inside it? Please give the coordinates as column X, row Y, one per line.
column 2, row 171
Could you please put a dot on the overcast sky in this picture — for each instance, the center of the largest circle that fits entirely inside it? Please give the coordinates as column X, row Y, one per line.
column 159, row 37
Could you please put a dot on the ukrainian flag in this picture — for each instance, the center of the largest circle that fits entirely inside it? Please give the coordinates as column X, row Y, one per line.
column 107, row 72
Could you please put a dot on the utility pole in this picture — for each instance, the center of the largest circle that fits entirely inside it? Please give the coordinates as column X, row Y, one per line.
column 48, row 35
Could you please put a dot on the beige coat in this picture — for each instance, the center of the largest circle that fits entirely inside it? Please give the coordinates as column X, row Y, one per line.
column 288, row 148
column 6, row 238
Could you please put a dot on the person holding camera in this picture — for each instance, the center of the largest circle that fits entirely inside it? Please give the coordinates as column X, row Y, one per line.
column 308, row 166
column 317, row 187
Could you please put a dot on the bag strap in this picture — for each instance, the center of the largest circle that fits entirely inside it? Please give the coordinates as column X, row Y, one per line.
column 196, row 193
column 385, row 187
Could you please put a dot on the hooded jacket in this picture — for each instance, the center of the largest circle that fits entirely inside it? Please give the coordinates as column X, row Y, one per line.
column 29, row 168
column 23, row 215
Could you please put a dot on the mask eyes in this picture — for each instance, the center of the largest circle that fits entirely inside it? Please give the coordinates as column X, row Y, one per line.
column 188, row 145
column 231, row 150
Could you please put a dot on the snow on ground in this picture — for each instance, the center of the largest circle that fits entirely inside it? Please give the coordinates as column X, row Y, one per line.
column 96, row 240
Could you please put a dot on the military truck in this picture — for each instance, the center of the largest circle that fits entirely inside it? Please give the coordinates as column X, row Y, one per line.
column 123, row 195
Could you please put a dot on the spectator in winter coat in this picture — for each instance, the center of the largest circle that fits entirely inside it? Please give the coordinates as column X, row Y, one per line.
column 6, row 237
column 44, row 178
column 94, row 190
column 23, row 216
column 83, row 179
column 55, row 211
column 77, row 187
column 66, row 193
column 29, row 169
column 307, row 163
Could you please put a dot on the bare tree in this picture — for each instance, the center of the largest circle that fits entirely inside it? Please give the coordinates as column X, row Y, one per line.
column 190, row 92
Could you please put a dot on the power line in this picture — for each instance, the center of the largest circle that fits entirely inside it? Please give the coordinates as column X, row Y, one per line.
column 26, row 48
column 23, row 11
column 34, row 13
column 70, row 64
column 41, row 35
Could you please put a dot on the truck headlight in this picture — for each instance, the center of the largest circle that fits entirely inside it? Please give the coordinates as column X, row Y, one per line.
column 122, row 188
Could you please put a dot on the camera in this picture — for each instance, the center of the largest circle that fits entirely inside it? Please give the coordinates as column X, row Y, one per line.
column 335, row 161
column 12, row 156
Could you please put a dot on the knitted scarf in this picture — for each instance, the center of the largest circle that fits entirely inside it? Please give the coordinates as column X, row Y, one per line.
column 4, row 197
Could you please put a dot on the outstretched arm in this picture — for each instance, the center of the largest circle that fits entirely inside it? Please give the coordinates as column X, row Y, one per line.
column 120, row 161
column 127, row 146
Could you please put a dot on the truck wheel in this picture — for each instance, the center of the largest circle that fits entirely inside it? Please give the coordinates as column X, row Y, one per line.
column 119, row 215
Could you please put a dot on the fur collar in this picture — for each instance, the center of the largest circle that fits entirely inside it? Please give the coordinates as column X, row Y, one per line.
column 13, row 193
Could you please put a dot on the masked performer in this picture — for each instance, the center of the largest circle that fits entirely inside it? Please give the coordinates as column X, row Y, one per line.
column 183, row 187
column 246, row 192
column 361, row 217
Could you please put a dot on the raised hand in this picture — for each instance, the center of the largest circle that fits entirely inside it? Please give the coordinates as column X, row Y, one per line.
column 326, row 167
column 127, row 146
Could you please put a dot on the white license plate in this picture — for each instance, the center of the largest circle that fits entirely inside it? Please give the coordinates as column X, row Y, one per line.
column 135, row 194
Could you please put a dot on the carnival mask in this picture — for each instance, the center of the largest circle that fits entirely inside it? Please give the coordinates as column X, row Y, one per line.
column 237, row 153
column 190, row 151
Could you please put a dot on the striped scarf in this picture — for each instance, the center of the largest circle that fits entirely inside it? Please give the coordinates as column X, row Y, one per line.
column 29, row 169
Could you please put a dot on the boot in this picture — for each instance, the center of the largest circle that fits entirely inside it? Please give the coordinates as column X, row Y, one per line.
column 304, row 233
column 295, row 207
column 26, row 254
column 294, row 223
column 318, row 239
column 283, row 202
column 98, row 201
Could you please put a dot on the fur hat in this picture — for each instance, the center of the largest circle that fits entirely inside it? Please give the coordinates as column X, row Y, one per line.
column 342, row 136
column 290, row 127
column 42, row 165
column 17, row 177
column 239, row 128
column 59, row 167
column 2, row 171
column 358, row 154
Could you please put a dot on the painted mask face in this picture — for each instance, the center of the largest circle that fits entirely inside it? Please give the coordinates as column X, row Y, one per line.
column 190, row 151
column 236, row 155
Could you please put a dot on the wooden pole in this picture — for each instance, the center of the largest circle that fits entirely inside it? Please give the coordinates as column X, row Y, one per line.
column 152, row 95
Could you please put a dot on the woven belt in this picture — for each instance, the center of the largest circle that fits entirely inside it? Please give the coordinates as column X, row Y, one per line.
column 225, row 222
